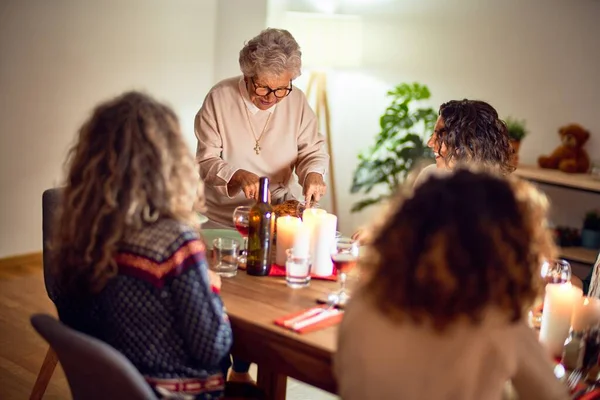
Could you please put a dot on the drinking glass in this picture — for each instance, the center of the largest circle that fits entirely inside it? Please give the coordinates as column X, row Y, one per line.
column 552, row 271
column 344, row 255
column 242, row 224
column 297, row 269
column 226, row 252
column 303, row 205
column 556, row 271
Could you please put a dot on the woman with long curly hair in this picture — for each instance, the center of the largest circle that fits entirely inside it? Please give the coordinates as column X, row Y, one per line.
column 442, row 314
column 470, row 131
column 129, row 260
column 466, row 132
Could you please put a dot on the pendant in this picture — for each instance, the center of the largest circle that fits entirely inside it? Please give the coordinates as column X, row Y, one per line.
column 257, row 148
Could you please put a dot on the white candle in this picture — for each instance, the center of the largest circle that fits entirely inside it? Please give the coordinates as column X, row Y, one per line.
column 287, row 227
column 586, row 313
column 324, row 237
column 559, row 303
column 309, row 218
column 301, row 246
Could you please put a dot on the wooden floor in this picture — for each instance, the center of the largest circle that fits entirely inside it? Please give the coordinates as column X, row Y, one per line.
column 22, row 350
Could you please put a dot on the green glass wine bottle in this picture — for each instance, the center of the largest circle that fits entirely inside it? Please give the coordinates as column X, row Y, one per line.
column 260, row 233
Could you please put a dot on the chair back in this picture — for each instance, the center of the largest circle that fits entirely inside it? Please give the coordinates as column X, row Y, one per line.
column 51, row 199
column 94, row 370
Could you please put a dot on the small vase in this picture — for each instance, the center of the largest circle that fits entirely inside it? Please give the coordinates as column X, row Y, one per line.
column 590, row 239
column 515, row 144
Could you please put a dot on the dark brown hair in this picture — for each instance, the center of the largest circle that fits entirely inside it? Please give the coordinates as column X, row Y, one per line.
column 462, row 244
column 129, row 166
column 474, row 133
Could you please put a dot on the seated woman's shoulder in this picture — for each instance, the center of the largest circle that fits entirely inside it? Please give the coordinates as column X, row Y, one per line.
column 421, row 175
column 163, row 233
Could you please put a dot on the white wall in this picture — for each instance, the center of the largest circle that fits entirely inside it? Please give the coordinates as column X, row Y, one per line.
column 534, row 59
column 59, row 58
column 537, row 60
column 237, row 22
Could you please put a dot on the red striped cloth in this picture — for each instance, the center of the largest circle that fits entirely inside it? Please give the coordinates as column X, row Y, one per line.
column 312, row 319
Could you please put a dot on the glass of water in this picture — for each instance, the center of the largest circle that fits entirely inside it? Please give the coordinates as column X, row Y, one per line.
column 226, row 255
column 297, row 270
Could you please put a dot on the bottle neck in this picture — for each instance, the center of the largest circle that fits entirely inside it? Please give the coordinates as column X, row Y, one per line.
column 263, row 191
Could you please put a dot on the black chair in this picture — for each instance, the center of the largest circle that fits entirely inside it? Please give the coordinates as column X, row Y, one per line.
column 51, row 199
column 94, row 370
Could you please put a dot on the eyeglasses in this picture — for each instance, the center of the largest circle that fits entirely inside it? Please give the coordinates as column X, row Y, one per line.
column 264, row 91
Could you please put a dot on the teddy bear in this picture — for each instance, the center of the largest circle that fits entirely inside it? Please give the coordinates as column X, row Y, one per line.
column 570, row 155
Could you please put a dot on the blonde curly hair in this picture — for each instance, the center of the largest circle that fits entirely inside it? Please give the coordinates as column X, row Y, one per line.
column 129, row 167
column 461, row 244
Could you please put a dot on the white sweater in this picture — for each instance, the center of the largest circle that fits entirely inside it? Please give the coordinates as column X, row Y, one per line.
column 380, row 359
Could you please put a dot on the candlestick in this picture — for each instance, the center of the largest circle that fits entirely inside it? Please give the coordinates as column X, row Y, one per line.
column 559, row 303
column 287, row 227
column 586, row 314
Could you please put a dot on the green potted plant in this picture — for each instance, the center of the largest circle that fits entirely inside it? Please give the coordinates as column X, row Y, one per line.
column 516, row 133
column 405, row 127
column 590, row 234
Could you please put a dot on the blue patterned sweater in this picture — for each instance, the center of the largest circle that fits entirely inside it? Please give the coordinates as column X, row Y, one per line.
column 160, row 310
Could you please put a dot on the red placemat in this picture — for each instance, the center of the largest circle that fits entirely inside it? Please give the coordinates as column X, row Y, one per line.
column 278, row 270
column 312, row 319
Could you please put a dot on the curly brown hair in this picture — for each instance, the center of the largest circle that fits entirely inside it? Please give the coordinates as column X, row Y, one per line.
column 130, row 166
column 463, row 243
column 473, row 132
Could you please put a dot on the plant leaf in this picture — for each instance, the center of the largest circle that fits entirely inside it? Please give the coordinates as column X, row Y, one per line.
column 360, row 205
column 405, row 127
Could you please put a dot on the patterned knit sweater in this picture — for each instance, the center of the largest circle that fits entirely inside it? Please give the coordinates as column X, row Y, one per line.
column 160, row 310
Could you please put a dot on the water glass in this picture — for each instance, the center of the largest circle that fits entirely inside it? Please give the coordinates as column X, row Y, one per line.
column 226, row 254
column 297, row 270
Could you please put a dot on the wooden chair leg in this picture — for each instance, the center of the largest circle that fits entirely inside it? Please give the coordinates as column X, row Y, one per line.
column 41, row 383
column 273, row 384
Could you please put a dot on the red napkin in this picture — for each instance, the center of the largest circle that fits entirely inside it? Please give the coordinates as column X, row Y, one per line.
column 593, row 395
column 278, row 270
column 313, row 319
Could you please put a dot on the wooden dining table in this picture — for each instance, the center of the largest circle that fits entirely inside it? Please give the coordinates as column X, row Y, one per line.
column 253, row 303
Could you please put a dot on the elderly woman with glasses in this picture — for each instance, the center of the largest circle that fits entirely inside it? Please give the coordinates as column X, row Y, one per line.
column 256, row 125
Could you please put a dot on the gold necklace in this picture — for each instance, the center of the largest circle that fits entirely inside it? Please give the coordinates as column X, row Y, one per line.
column 257, row 140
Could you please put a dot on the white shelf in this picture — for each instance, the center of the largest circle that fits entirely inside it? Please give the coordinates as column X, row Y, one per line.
column 583, row 182
column 579, row 254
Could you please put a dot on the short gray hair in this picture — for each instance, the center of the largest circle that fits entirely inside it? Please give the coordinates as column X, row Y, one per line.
column 272, row 52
